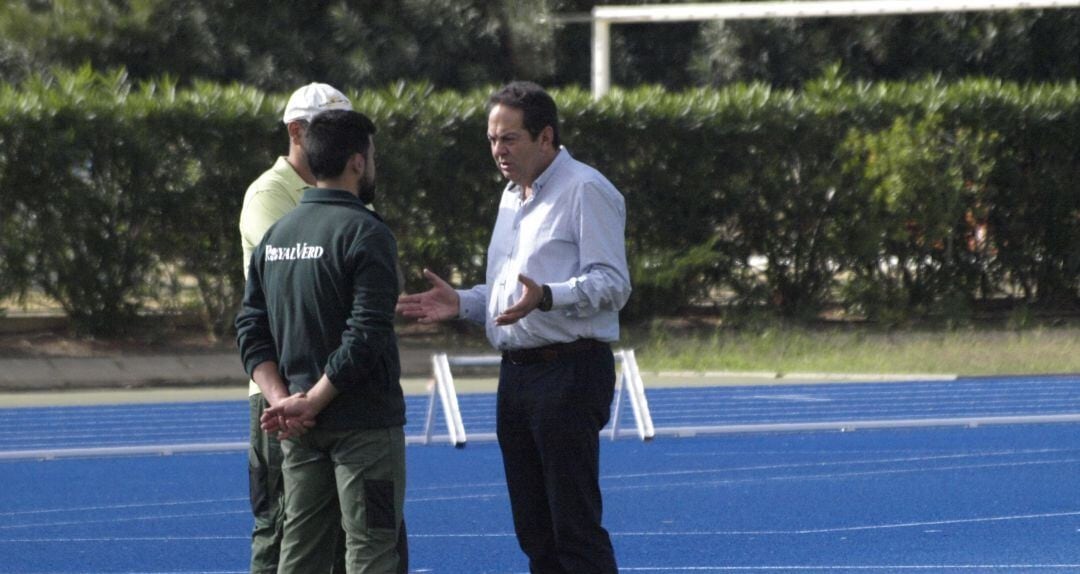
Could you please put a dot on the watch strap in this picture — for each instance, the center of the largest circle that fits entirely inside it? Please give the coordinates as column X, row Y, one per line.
column 546, row 300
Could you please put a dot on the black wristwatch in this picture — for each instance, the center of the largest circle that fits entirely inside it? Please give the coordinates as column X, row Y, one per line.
column 545, row 300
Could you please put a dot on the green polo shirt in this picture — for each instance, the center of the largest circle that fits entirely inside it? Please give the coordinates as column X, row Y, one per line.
column 276, row 192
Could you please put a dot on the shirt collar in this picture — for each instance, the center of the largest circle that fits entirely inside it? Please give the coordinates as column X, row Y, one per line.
column 538, row 185
column 285, row 170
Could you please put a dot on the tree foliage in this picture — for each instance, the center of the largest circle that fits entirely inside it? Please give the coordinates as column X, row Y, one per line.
column 463, row 44
column 279, row 44
column 1027, row 45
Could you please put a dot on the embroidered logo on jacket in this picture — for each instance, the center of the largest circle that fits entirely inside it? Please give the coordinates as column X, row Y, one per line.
column 298, row 251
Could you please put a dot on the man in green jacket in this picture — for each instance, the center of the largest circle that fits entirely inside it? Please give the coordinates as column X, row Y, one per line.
column 274, row 193
column 316, row 335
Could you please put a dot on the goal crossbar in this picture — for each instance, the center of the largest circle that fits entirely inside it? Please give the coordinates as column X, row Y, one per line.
column 604, row 16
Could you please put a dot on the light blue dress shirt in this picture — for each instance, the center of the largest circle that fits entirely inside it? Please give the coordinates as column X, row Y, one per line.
column 568, row 235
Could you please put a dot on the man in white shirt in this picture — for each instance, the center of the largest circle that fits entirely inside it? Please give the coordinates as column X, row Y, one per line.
column 556, row 280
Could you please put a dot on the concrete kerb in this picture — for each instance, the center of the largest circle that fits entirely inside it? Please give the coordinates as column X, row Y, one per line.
column 139, row 371
column 224, row 369
column 58, row 373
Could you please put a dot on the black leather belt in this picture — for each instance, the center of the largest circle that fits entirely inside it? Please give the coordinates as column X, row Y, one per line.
column 553, row 352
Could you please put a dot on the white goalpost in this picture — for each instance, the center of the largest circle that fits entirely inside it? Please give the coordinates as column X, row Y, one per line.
column 604, row 16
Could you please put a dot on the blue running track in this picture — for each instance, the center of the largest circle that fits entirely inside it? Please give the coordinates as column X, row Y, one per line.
column 943, row 499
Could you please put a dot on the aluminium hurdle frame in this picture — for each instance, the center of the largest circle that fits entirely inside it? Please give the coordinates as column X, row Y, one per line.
column 628, row 382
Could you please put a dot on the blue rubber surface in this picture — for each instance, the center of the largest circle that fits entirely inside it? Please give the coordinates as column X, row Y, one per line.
column 962, row 398
column 992, row 499
column 942, row 499
column 215, row 422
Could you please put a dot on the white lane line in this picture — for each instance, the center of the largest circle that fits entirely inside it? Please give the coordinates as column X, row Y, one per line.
column 854, row 568
column 123, row 506
column 125, row 519
column 859, row 528
column 837, row 475
column 890, row 460
column 788, row 397
column 121, row 539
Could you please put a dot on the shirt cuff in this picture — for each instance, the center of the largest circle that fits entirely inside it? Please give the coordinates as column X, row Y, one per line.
column 471, row 307
column 562, row 295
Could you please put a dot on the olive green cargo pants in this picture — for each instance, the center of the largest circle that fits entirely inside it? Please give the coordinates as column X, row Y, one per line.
column 364, row 471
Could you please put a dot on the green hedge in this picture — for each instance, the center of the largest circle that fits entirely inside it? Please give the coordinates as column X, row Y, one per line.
column 893, row 200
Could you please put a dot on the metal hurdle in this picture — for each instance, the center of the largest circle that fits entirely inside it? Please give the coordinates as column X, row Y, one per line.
column 628, row 384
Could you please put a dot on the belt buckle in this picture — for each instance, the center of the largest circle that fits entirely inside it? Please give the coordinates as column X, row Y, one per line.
column 515, row 358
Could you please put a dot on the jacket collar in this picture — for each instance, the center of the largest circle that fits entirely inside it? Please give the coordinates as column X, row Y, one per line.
column 335, row 197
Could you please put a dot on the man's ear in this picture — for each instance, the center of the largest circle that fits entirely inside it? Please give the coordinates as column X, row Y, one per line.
column 296, row 132
column 358, row 163
column 547, row 135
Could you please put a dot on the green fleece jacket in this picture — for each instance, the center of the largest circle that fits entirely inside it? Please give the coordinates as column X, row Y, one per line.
column 320, row 298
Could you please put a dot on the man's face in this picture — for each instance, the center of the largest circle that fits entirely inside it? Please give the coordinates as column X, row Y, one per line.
column 365, row 187
column 520, row 158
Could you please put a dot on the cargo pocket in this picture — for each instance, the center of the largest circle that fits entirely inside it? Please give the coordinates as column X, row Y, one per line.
column 257, row 487
column 379, row 504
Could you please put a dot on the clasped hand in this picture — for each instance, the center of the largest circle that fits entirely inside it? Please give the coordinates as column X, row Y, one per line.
column 290, row 417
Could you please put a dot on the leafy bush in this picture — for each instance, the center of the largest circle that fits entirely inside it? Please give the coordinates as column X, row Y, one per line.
column 896, row 200
column 83, row 185
column 926, row 189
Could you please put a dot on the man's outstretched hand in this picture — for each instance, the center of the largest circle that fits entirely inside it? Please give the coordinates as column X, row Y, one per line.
column 439, row 303
column 530, row 300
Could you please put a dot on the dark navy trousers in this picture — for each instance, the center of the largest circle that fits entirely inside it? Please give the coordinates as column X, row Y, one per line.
column 549, row 416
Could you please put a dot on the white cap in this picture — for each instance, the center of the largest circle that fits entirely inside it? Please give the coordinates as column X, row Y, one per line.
column 312, row 99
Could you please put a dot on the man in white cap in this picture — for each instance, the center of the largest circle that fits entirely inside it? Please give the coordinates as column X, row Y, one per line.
column 276, row 192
